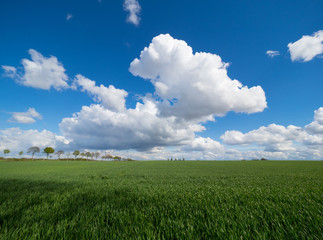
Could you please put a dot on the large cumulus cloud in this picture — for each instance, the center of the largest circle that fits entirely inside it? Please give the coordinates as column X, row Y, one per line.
column 193, row 85
column 190, row 89
column 140, row 128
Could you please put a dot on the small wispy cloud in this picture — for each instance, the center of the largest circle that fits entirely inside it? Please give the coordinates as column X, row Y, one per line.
column 9, row 71
column 272, row 53
column 25, row 117
column 69, row 16
column 134, row 8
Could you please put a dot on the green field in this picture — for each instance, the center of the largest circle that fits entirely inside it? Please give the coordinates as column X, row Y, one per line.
column 161, row 200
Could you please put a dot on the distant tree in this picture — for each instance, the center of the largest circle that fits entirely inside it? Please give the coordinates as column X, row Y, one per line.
column 33, row 150
column 107, row 156
column 68, row 155
column 48, row 151
column 59, row 153
column 92, row 155
column 88, row 154
column 183, row 159
column 76, row 153
column 117, row 158
column 6, row 151
column 20, row 153
column 82, row 155
column 97, row 155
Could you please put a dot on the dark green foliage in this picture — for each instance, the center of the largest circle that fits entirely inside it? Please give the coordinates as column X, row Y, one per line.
column 48, row 151
column 6, row 151
column 161, row 200
column 117, row 158
column 76, row 153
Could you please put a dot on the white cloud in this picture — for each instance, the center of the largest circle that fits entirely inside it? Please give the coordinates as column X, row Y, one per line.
column 292, row 141
column 198, row 82
column 111, row 97
column 272, row 53
column 270, row 135
column 193, row 86
column 141, row 128
column 133, row 7
column 69, row 16
column 39, row 72
column 17, row 139
column 25, row 117
column 204, row 144
column 316, row 127
column 9, row 71
column 206, row 154
column 168, row 153
column 306, row 48
column 190, row 88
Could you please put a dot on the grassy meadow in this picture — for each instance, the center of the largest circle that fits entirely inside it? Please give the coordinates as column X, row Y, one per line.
column 161, row 200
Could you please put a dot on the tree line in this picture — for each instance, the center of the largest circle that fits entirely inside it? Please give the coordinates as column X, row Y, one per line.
column 77, row 154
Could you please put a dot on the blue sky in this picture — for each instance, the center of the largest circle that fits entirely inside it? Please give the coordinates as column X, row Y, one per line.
column 98, row 40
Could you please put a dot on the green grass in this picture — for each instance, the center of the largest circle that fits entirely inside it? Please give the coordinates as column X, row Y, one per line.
column 161, row 200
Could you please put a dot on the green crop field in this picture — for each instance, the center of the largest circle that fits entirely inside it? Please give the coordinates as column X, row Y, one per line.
column 161, row 200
